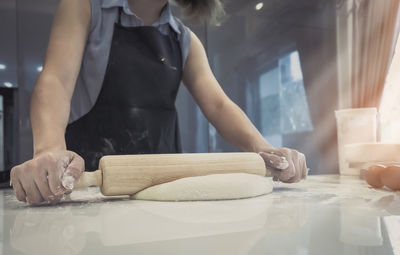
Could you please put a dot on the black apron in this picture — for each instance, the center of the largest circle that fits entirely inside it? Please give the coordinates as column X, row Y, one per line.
column 135, row 110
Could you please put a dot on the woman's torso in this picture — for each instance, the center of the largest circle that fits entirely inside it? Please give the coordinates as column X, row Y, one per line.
column 104, row 14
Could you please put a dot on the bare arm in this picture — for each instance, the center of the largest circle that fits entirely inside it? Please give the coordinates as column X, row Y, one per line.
column 231, row 122
column 50, row 103
column 40, row 179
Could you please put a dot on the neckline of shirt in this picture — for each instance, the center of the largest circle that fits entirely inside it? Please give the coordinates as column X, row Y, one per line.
column 166, row 16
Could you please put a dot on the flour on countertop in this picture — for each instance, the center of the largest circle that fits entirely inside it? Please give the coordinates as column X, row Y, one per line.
column 341, row 187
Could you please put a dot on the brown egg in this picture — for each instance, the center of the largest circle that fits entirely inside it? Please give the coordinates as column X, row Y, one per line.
column 373, row 176
column 390, row 177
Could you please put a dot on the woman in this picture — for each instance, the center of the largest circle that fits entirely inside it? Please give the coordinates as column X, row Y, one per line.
column 109, row 83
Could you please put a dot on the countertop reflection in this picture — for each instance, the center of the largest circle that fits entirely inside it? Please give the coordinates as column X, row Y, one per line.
column 326, row 214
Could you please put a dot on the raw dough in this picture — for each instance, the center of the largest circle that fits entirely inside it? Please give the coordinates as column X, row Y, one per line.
column 209, row 187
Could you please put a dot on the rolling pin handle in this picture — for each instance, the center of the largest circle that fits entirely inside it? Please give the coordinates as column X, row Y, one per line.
column 89, row 179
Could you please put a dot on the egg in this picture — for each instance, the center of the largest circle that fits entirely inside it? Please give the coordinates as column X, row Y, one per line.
column 373, row 176
column 390, row 177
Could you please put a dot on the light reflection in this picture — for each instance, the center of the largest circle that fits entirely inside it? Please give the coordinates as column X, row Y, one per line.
column 390, row 106
column 3, row 67
column 359, row 226
column 392, row 224
column 8, row 84
column 39, row 68
column 259, row 6
column 44, row 230
column 295, row 67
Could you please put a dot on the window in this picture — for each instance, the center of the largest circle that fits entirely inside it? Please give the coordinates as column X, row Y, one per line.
column 277, row 101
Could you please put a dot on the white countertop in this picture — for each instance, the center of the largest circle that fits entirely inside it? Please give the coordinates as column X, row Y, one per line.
column 325, row 214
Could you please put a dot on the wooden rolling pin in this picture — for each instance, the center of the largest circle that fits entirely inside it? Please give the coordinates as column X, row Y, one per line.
column 128, row 174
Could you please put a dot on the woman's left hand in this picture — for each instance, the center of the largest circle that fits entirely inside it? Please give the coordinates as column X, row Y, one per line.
column 287, row 165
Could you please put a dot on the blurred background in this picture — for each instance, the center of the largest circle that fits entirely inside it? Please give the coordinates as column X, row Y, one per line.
column 287, row 63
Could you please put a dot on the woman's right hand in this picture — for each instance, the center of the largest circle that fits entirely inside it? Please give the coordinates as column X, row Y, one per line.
column 40, row 179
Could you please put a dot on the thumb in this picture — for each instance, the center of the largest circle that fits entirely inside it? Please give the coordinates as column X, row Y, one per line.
column 73, row 171
column 274, row 161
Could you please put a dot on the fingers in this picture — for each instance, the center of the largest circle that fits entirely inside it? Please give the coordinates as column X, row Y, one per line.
column 17, row 186
column 287, row 174
column 33, row 195
column 73, row 172
column 296, row 168
column 303, row 166
column 42, row 184
column 19, row 191
column 25, row 189
column 76, row 166
column 40, row 179
column 274, row 161
column 55, row 174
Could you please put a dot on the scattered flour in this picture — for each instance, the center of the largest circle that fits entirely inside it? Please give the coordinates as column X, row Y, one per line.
column 331, row 186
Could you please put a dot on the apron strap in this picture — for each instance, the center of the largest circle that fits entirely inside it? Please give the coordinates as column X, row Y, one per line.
column 119, row 15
